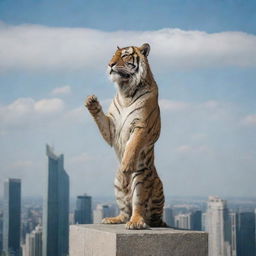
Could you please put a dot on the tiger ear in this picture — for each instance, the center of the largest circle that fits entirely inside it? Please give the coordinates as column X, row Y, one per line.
column 145, row 49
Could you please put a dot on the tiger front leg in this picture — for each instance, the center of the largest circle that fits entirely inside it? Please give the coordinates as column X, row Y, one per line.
column 141, row 191
column 103, row 122
column 128, row 163
column 132, row 151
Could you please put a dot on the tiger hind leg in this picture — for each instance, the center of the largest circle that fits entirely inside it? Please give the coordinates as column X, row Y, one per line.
column 123, row 204
column 157, row 204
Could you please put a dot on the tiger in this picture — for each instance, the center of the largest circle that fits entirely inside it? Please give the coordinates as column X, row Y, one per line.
column 132, row 126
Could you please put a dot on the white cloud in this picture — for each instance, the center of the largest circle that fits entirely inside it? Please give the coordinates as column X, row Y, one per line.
column 21, row 164
column 61, row 90
column 206, row 110
column 192, row 149
column 80, row 159
column 184, row 149
column 43, row 48
column 171, row 105
column 25, row 111
column 250, row 120
column 49, row 105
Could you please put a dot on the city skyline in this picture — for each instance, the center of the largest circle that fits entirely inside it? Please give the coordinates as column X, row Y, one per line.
column 203, row 59
column 237, row 225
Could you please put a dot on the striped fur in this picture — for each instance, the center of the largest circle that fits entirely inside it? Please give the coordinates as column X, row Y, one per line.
column 132, row 126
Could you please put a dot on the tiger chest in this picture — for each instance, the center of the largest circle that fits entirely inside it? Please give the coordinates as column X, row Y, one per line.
column 124, row 124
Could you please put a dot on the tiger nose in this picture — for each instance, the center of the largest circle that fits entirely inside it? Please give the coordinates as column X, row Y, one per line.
column 112, row 63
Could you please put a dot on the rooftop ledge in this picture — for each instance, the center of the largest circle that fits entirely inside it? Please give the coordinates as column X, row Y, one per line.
column 115, row 240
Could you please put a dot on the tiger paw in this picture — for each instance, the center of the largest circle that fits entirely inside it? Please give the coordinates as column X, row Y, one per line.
column 113, row 220
column 136, row 224
column 92, row 104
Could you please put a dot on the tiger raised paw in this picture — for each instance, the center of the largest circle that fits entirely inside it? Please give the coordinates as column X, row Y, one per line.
column 92, row 104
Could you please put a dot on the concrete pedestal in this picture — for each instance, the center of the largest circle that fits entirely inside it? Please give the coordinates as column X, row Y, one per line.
column 115, row 240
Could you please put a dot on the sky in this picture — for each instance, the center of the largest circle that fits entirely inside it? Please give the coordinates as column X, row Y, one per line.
column 203, row 57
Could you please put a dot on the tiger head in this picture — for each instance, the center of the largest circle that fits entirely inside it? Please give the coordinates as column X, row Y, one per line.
column 129, row 65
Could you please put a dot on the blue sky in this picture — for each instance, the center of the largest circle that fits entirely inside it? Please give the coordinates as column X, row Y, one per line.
column 54, row 54
column 210, row 16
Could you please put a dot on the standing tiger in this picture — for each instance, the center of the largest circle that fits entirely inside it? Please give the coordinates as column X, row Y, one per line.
column 132, row 126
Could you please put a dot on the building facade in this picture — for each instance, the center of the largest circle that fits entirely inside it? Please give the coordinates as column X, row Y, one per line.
column 101, row 211
column 218, row 227
column 83, row 211
column 246, row 234
column 56, row 207
column 233, row 233
column 33, row 245
column 168, row 217
column 12, row 217
column 183, row 221
column 196, row 220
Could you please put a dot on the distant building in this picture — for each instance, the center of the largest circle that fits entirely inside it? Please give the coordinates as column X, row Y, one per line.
column 101, row 211
column 71, row 218
column 56, row 208
column 196, row 220
column 217, row 225
column 204, row 221
column 113, row 210
column 168, row 217
column 33, row 246
column 31, row 218
column 183, row 221
column 246, row 234
column 83, row 211
column 12, row 217
column 233, row 233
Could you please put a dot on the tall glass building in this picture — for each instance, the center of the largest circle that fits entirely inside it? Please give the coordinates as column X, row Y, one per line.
column 56, row 207
column 12, row 217
column 83, row 212
column 246, row 234
column 196, row 220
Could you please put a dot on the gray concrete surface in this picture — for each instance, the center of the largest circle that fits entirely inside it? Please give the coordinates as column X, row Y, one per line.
column 115, row 240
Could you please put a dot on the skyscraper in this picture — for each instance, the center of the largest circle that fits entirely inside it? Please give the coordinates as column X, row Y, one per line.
column 12, row 217
column 83, row 211
column 217, row 225
column 196, row 220
column 33, row 246
column 232, row 234
column 204, row 221
column 168, row 216
column 246, row 234
column 56, row 207
column 101, row 211
column 183, row 221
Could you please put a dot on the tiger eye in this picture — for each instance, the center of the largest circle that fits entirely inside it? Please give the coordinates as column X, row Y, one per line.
column 125, row 56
